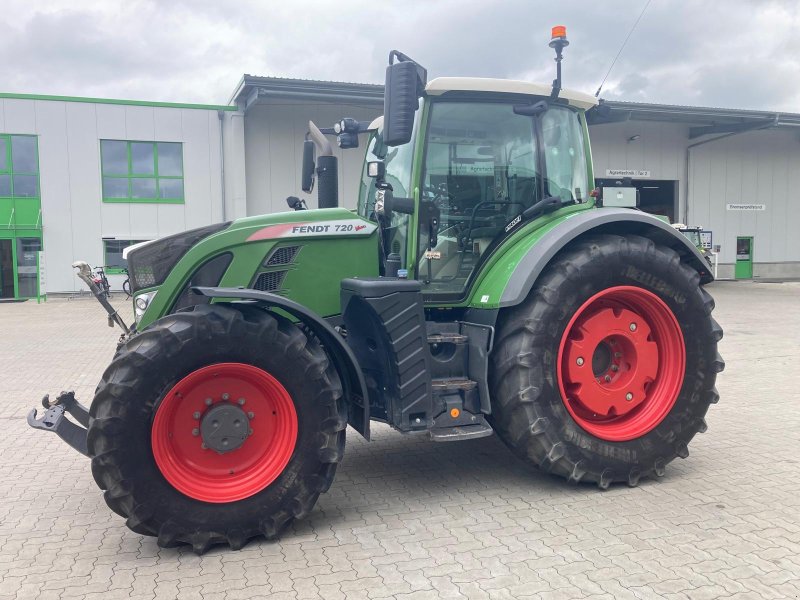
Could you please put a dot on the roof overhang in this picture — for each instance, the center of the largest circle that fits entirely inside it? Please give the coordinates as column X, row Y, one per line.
column 255, row 90
column 701, row 120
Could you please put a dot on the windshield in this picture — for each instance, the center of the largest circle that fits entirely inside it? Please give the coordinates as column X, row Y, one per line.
column 482, row 169
column 398, row 161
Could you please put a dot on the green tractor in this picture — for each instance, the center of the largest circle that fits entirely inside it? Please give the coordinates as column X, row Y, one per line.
column 479, row 288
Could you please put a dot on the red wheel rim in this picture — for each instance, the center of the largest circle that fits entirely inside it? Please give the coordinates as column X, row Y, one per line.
column 203, row 473
column 621, row 363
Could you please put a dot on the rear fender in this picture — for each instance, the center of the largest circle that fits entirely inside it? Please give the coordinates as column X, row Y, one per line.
column 620, row 221
column 339, row 353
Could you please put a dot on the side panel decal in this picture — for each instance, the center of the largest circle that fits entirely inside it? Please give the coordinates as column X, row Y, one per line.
column 343, row 227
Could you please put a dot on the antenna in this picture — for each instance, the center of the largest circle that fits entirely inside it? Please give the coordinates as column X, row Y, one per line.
column 613, row 62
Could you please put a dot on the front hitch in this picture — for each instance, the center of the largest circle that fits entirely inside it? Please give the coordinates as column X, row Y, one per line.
column 54, row 419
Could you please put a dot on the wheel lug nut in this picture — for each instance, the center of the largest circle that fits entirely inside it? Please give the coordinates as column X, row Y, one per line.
column 203, row 446
column 240, row 401
column 226, row 396
column 614, row 368
column 196, row 414
column 633, row 326
column 195, row 431
column 579, row 361
column 251, row 414
column 607, row 378
column 617, row 354
column 628, row 396
column 208, row 401
column 249, row 432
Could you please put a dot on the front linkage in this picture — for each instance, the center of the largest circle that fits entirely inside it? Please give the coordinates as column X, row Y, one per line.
column 54, row 419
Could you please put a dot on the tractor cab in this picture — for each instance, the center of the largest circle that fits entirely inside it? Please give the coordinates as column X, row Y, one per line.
column 483, row 157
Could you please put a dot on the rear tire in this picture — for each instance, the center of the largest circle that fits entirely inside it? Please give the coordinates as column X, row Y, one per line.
column 539, row 404
column 135, row 417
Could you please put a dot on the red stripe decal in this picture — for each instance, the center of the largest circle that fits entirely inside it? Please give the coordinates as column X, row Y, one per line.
column 273, row 231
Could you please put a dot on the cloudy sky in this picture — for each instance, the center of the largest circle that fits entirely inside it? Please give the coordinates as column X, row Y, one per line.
column 730, row 53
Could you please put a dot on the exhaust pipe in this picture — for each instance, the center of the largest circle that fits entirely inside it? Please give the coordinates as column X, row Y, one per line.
column 327, row 169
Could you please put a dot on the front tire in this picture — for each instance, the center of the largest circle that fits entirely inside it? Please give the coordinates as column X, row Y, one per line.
column 605, row 372
column 155, row 439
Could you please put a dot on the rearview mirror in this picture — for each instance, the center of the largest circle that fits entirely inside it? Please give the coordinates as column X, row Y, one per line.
column 405, row 83
column 307, row 180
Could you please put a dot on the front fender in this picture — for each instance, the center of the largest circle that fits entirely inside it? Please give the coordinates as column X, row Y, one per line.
column 529, row 265
column 339, row 353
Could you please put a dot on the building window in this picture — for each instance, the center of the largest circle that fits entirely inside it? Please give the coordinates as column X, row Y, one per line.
column 142, row 171
column 112, row 250
column 19, row 166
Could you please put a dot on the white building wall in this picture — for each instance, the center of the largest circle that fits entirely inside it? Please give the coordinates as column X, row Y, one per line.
column 661, row 149
column 274, row 135
column 759, row 167
column 74, row 217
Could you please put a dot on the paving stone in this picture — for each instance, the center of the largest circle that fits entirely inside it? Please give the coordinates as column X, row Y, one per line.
column 410, row 519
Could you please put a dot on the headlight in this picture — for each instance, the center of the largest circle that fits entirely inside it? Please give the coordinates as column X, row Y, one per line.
column 140, row 304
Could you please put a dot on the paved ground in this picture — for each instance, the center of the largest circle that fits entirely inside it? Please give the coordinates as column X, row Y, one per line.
column 404, row 520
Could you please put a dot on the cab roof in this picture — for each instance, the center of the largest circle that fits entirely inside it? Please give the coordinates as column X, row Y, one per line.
column 441, row 85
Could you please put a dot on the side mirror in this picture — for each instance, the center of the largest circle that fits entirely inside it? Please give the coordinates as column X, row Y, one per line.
column 307, row 181
column 405, row 83
column 376, row 169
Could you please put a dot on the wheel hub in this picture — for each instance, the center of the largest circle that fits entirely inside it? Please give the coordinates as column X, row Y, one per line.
column 224, row 428
column 224, row 432
column 624, row 361
column 621, row 363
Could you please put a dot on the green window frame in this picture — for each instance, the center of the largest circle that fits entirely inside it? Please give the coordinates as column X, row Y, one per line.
column 118, row 247
column 17, row 179
column 142, row 171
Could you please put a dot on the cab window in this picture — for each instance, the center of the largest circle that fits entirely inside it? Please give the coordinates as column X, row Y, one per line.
column 565, row 161
column 481, row 170
column 398, row 161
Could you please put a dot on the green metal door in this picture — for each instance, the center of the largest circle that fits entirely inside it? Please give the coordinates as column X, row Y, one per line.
column 744, row 258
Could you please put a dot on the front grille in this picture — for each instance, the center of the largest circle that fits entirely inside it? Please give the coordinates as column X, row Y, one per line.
column 151, row 264
column 269, row 282
column 142, row 277
column 282, row 256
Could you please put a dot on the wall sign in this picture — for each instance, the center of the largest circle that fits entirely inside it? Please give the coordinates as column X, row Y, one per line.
column 639, row 173
column 746, row 206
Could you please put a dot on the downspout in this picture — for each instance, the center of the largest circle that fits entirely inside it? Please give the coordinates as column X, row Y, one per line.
column 221, row 116
column 771, row 125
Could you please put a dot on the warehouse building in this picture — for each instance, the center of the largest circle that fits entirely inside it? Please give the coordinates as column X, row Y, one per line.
column 82, row 178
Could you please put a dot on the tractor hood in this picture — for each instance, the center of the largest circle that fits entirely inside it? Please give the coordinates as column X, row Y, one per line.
column 302, row 255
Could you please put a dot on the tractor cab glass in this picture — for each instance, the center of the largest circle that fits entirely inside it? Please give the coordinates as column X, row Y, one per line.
column 483, row 168
column 397, row 164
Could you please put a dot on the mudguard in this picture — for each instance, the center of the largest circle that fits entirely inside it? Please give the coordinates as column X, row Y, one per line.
column 353, row 384
column 619, row 221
